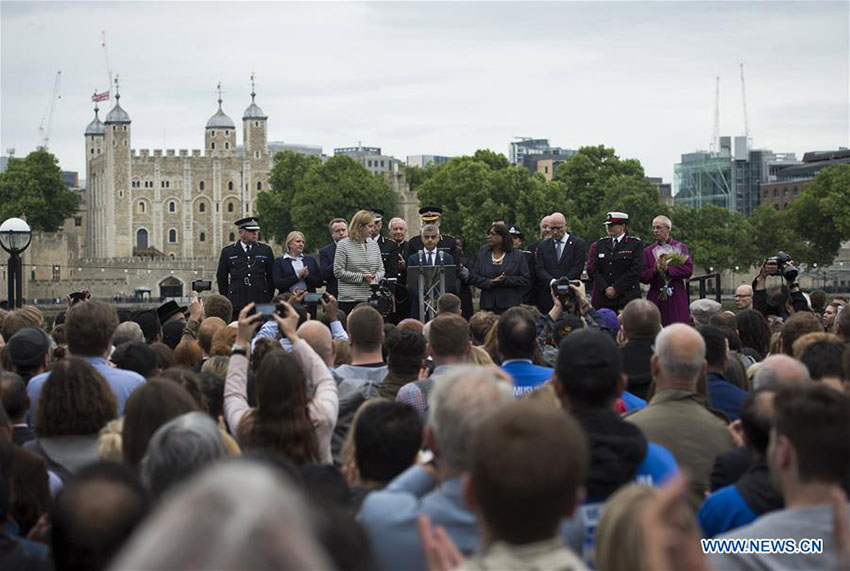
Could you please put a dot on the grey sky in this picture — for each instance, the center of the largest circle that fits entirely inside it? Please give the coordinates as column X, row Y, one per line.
column 436, row 78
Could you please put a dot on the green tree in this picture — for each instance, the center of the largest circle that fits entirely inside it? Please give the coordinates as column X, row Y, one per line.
column 821, row 215
column 773, row 230
column 716, row 238
column 32, row 188
column 339, row 187
column 275, row 206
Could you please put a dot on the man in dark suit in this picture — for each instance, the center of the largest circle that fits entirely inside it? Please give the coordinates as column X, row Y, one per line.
column 560, row 255
column 614, row 264
column 245, row 268
column 429, row 255
column 431, row 215
column 338, row 229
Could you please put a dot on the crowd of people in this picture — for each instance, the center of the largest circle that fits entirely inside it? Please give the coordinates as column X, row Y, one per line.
column 553, row 428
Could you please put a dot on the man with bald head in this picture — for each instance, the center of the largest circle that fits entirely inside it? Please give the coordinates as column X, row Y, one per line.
column 676, row 417
column 779, row 371
column 561, row 255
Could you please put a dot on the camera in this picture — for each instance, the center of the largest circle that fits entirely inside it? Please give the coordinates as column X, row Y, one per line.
column 382, row 296
column 783, row 268
column 201, row 285
column 311, row 297
column 563, row 291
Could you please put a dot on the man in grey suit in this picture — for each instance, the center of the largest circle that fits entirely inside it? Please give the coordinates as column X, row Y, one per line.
column 560, row 255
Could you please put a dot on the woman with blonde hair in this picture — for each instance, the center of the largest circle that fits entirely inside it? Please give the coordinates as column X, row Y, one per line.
column 294, row 271
column 357, row 262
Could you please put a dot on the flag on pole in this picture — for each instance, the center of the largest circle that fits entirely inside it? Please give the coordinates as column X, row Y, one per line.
column 100, row 96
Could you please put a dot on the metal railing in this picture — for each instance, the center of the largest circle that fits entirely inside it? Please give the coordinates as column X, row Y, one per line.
column 703, row 290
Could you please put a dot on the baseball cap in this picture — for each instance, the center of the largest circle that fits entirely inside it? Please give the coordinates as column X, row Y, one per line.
column 590, row 353
column 28, row 347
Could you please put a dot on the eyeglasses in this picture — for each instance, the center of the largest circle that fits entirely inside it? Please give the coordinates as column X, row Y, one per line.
column 556, row 227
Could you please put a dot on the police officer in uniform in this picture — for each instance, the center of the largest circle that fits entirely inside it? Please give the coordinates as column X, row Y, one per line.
column 431, row 215
column 614, row 264
column 389, row 249
column 529, row 296
column 245, row 268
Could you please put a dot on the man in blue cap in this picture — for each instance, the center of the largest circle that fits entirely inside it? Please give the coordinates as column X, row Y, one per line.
column 245, row 268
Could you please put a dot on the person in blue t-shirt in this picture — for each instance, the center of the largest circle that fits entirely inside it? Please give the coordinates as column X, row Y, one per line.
column 722, row 395
column 753, row 494
column 516, row 335
column 588, row 380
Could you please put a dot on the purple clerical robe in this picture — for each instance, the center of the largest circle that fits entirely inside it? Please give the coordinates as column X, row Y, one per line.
column 675, row 309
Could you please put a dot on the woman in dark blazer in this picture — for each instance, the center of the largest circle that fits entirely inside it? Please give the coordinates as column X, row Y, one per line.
column 499, row 271
column 294, row 271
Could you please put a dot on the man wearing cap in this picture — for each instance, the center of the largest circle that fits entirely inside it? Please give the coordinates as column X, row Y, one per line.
column 666, row 279
column 529, row 295
column 431, row 215
column 389, row 249
column 170, row 311
column 28, row 350
column 561, row 255
column 614, row 263
column 245, row 268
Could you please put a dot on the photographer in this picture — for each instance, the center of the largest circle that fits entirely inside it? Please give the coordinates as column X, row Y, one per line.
column 788, row 298
column 570, row 310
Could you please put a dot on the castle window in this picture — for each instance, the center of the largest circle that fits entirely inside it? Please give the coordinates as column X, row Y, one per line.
column 142, row 207
column 171, row 255
column 201, row 186
column 141, row 238
column 202, row 207
column 92, row 151
column 172, row 235
column 212, row 145
column 202, row 237
column 162, row 184
column 172, row 206
column 168, row 184
column 230, row 185
column 256, row 154
column 78, row 221
column 226, row 145
column 256, row 123
column 226, row 133
column 259, row 185
column 230, row 207
column 125, row 128
column 125, row 142
column 232, row 237
column 212, row 133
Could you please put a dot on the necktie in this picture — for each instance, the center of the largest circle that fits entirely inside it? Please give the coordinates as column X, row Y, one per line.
column 248, row 249
column 559, row 248
column 430, row 258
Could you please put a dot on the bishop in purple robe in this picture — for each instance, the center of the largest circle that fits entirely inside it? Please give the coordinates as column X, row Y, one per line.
column 667, row 288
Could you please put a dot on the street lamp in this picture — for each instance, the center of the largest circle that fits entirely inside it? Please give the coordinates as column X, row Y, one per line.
column 15, row 237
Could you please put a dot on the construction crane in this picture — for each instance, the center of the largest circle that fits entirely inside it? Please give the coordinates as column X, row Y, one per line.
column 47, row 120
column 715, row 139
column 744, row 98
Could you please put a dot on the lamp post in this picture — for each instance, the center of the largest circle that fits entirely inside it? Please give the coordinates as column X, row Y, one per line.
column 15, row 237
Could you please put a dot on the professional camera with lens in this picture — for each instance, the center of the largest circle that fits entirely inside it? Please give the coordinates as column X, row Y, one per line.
column 565, row 294
column 783, row 267
column 382, row 296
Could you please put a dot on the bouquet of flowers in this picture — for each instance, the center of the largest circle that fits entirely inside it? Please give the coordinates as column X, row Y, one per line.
column 666, row 256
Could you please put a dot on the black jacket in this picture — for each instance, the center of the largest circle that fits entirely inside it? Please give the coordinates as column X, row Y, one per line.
column 446, row 244
column 326, row 268
column 636, row 354
column 389, row 256
column 619, row 267
column 498, row 298
column 548, row 267
column 245, row 278
column 284, row 277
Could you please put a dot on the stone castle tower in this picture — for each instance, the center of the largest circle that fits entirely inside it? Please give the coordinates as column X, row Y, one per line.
column 167, row 204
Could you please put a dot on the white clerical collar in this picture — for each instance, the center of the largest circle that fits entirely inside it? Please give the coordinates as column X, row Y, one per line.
column 291, row 257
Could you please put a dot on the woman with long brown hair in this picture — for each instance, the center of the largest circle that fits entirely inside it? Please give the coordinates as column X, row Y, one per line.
column 284, row 420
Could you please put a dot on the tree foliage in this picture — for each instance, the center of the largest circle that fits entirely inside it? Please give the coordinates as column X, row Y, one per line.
column 32, row 188
column 306, row 193
column 821, row 216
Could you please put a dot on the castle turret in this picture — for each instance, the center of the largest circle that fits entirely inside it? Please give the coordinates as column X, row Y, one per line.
column 114, row 235
column 220, row 137
column 255, row 135
column 95, row 132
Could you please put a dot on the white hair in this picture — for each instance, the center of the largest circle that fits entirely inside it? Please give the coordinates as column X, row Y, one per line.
column 666, row 221
column 676, row 362
column 394, row 220
column 779, row 371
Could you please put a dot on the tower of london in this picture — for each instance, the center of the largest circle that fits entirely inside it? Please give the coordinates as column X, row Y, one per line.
column 166, row 203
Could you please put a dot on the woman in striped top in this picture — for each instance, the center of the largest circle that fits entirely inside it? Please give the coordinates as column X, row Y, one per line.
column 357, row 262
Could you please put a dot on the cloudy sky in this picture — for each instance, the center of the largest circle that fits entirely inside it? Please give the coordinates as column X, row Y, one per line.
column 435, row 77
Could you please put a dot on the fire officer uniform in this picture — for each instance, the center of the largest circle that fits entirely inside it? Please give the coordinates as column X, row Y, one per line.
column 615, row 262
column 245, row 270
